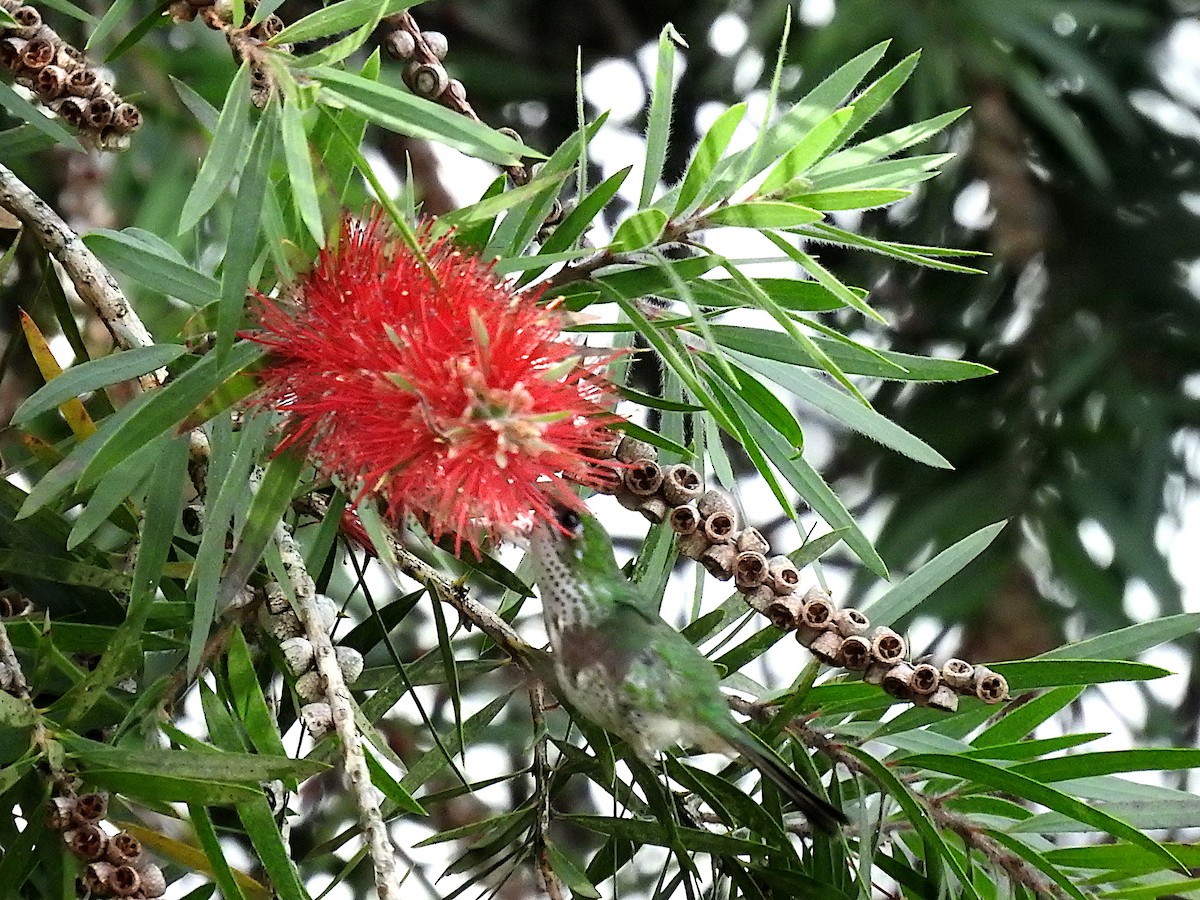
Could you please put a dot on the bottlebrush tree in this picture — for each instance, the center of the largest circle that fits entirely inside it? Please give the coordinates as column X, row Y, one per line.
column 267, row 629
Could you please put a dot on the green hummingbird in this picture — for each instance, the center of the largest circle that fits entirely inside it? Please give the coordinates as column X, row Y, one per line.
column 621, row 665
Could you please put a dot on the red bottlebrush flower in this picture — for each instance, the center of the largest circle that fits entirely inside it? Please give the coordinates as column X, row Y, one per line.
column 440, row 390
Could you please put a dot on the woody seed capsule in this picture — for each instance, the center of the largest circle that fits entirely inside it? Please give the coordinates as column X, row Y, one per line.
column 681, row 484
column 436, row 42
column 400, row 44
column 37, row 54
column 855, row 653
column 685, row 519
column 887, row 646
column 310, row 686
column 91, row 807
column 925, row 679
column 943, row 699
column 898, row 681
column 785, row 613
column 751, row 539
column 693, row 545
column 760, row 598
column 654, row 509
column 784, row 574
column 719, row 527
column 297, row 654
column 715, row 501
column 125, row 881
column 817, row 611
column 317, row 718
column 88, row 842
column 124, row 849
column 850, row 622
column 154, row 883
column 718, row 560
column 643, row 478
column 959, row 674
column 630, row 449
column 96, row 878
column 99, row 113
column 750, row 570
column 990, row 687
column 350, row 661
column 827, row 647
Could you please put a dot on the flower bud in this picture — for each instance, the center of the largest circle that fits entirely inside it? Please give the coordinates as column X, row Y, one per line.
column 681, row 484
column 350, row 661
column 297, row 654
column 400, row 44
column 317, row 718
column 311, row 686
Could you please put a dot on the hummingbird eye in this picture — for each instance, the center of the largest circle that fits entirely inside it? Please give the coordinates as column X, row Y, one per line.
column 570, row 521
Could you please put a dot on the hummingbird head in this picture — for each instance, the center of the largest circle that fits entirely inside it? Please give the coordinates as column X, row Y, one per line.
column 573, row 542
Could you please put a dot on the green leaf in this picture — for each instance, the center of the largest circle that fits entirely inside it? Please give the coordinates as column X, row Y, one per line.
column 876, row 96
column 226, row 155
column 338, row 17
column 271, row 501
column 113, row 490
column 1064, row 768
column 1126, row 642
column 708, row 152
column 488, row 207
column 263, row 831
column 659, row 127
column 206, row 835
column 797, row 161
column 111, row 19
column 300, row 170
column 851, row 199
column 884, row 145
column 1038, row 861
column 25, row 111
column 166, row 408
column 570, row 874
column 248, row 701
column 382, row 779
column 827, row 279
column 1010, row 782
column 763, row 214
column 1033, row 674
column 216, row 766
column 417, row 117
column 90, row 376
column 892, row 173
column 154, row 263
column 639, row 231
column 904, row 597
column 581, row 217
column 845, row 409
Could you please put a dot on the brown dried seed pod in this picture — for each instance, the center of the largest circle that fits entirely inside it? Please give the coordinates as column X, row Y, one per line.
column 752, row 539
column 154, row 883
column 681, row 484
column 88, row 842
column 556, row 209
column 60, row 813
column 943, row 699
column 630, row 449
column 277, row 601
column 898, row 681
column 271, row 26
column 28, row 18
column 850, row 622
column 925, row 679
column 655, row 509
column 50, row 82
column 125, row 881
column 311, row 686
column 111, row 139
column 400, row 44
column 10, row 52
column 124, row 849
column 990, row 687
column 96, row 878
column 181, row 11
column 718, row 560
column 99, row 113
column 875, row 671
column 855, row 654
column 785, row 612
column 959, row 674
column 760, row 598
column 693, row 545
column 457, row 91
column 817, row 611
column 887, row 646
column 91, row 807
column 427, row 79
column 749, row 570
column 643, row 477
column 436, row 42
column 626, row 498
column 83, row 82
column 37, row 54
column 719, row 527
column 317, row 718
column 827, row 647
column 716, row 500
column 607, row 441
column 70, row 109
column 784, row 574
column 685, row 519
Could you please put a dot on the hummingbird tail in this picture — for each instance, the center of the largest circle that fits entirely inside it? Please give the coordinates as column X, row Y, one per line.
column 820, row 813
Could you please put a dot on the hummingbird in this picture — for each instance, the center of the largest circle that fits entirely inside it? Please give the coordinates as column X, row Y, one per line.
column 627, row 670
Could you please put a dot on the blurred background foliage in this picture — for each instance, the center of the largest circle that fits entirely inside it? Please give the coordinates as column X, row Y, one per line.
column 1077, row 170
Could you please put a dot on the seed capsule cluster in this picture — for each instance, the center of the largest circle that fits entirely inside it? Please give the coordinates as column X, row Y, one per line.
column 707, row 527
column 246, row 43
column 115, row 864
column 61, row 79
column 300, row 658
column 426, row 76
